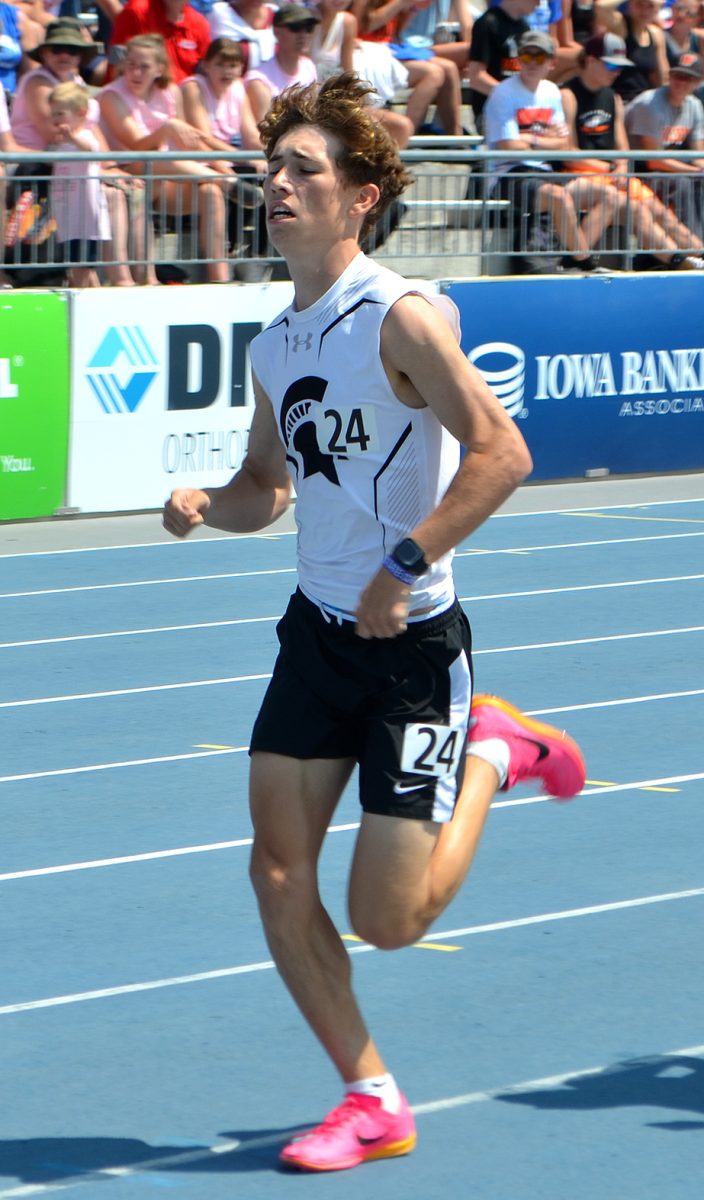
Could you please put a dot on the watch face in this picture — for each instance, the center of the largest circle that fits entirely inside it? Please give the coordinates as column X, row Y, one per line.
column 410, row 556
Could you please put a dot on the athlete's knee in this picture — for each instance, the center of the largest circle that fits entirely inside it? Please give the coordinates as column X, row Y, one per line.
column 285, row 891
column 388, row 931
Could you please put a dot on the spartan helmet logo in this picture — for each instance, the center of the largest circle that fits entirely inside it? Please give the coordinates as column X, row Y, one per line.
column 299, row 431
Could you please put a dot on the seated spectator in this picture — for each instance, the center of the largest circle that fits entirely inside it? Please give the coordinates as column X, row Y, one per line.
column 216, row 103
column 432, row 80
column 60, row 56
column 639, row 27
column 493, row 53
column 668, row 119
column 594, row 115
column 548, row 16
column 429, row 23
column 291, row 64
column 248, row 21
column 10, row 47
column 185, row 32
column 683, row 37
column 143, row 110
column 335, row 47
column 525, row 112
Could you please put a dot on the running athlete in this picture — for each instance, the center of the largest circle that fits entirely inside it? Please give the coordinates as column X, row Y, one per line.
column 363, row 399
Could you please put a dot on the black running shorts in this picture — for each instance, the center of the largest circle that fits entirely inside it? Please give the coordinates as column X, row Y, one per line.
column 398, row 706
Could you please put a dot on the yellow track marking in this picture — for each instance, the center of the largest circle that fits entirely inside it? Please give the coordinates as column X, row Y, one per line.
column 610, row 783
column 211, row 746
column 352, row 937
column 602, row 516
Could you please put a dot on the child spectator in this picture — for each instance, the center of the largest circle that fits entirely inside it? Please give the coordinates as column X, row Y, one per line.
column 78, row 202
column 291, row 64
column 143, row 110
column 216, row 103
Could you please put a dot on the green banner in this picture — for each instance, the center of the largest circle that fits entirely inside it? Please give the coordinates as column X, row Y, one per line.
column 34, row 403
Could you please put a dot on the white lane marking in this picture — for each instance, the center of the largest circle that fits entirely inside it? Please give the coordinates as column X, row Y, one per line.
column 107, row 587
column 173, row 543
column 445, row 1104
column 546, row 1081
column 268, row 965
column 544, row 712
column 155, row 687
column 130, row 762
column 590, row 641
column 654, row 537
column 98, row 587
column 208, row 847
column 586, row 587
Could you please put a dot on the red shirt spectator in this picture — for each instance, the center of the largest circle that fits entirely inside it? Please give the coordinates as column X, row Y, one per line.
column 184, row 30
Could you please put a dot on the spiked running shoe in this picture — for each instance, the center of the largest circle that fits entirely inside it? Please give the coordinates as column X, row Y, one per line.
column 357, row 1131
column 537, row 751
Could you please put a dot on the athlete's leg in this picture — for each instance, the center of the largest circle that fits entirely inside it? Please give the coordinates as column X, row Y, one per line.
column 405, row 872
column 292, row 803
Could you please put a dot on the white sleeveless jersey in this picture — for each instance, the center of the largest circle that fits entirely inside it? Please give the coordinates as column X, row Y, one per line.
column 366, row 468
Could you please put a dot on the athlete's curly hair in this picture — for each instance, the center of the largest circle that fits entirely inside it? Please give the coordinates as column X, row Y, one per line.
column 340, row 106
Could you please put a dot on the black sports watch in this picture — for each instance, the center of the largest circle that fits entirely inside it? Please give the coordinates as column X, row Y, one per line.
column 409, row 557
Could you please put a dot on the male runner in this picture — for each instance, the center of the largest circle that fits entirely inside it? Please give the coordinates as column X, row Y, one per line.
column 363, row 399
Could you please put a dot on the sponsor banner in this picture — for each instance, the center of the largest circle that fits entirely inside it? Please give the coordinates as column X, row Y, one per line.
column 161, row 389
column 601, row 374
column 34, row 394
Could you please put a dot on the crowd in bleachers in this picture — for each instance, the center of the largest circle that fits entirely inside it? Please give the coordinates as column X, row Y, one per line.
column 152, row 75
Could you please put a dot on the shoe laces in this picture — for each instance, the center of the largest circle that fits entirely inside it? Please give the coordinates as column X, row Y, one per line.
column 345, row 1114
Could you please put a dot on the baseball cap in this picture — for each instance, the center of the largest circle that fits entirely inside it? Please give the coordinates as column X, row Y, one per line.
column 608, row 47
column 688, row 64
column 294, row 14
column 535, row 40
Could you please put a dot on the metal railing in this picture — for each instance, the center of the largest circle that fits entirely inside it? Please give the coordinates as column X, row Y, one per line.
column 451, row 220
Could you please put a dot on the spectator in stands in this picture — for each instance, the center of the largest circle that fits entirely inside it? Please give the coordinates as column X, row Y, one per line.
column 10, row 47
column 639, row 27
column 7, row 145
column 335, row 47
column 683, row 37
column 431, row 23
column 493, row 53
column 185, row 32
column 548, row 16
column 433, row 80
column 291, row 64
column 59, row 57
column 594, row 115
column 525, row 112
column 216, row 103
column 78, row 203
column 668, row 119
column 143, row 110
column 248, row 21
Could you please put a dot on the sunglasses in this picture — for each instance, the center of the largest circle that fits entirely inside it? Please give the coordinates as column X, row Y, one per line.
column 57, row 49
column 534, row 56
column 612, row 66
column 301, row 26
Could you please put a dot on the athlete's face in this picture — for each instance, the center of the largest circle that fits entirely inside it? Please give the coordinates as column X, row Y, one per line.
column 307, row 200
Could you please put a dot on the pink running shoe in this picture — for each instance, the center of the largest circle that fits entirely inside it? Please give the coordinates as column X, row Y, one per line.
column 559, row 763
column 357, row 1131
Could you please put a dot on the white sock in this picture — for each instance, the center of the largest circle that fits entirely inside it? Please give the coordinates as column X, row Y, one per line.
column 495, row 751
column 383, row 1086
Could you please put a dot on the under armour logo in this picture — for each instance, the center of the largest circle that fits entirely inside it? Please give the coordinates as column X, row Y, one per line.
column 302, row 342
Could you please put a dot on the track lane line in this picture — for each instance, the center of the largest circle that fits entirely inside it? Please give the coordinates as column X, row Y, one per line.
column 268, row 965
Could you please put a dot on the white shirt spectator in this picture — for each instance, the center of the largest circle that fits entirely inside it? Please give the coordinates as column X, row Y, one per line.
column 225, row 21
column 512, row 111
column 276, row 79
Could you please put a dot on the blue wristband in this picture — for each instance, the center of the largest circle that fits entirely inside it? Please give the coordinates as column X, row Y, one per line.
column 398, row 572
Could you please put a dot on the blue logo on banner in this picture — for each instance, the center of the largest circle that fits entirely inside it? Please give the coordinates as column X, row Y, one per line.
column 122, row 369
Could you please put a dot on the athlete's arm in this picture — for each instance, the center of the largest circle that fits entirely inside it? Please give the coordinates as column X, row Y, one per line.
column 426, row 368
column 255, row 496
